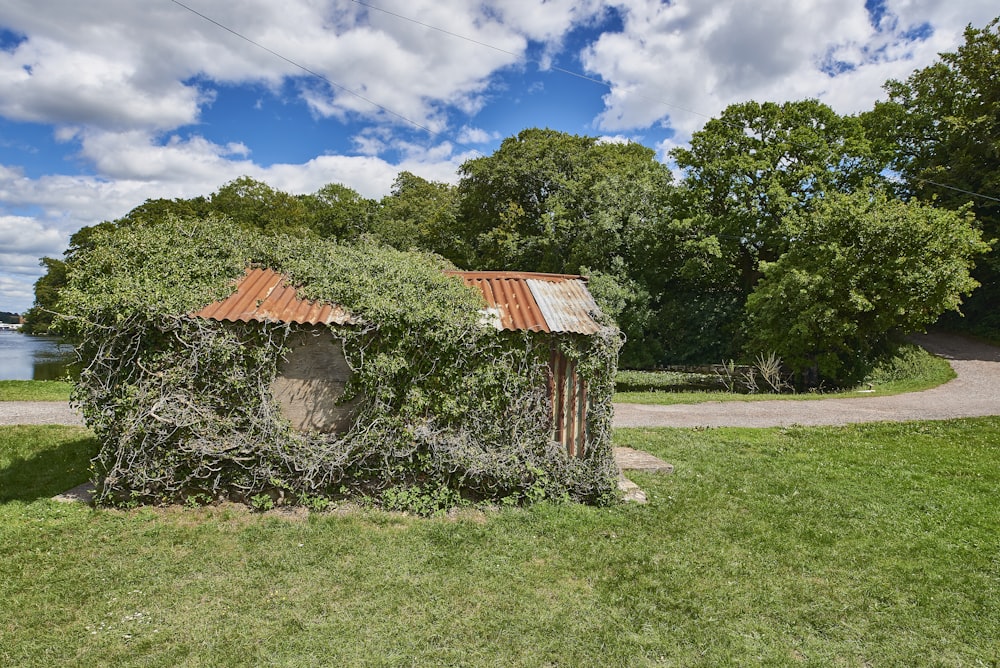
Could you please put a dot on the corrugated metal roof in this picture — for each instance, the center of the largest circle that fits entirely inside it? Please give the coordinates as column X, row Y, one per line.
column 516, row 301
column 566, row 304
column 265, row 295
column 536, row 302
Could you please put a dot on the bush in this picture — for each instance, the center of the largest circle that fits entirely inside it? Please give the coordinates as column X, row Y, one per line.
column 864, row 269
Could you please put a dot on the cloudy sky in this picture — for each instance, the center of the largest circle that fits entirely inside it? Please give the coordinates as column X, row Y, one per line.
column 106, row 103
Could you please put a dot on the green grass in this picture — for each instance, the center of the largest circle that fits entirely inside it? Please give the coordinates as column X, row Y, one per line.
column 35, row 390
column 911, row 370
column 864, row 545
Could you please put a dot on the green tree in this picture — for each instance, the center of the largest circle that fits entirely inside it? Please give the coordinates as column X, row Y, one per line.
column 863, row 269
column 749, row 169
column 550, row 201
column 421, row 214
column 941, row 130
column 333, row 211
column 750, row 176
column 338, row 212
column 256, row 204
column 38, row 319
column 157, row 210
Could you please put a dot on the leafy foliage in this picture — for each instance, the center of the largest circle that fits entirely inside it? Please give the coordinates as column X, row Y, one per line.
column 420, row 214
column 182, row 406
column 338, row 212
column 864, row 267
column 940, row 129
column 38, row 319
column 748, row 171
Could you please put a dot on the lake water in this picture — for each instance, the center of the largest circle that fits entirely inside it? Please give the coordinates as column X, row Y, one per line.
column 24, row 357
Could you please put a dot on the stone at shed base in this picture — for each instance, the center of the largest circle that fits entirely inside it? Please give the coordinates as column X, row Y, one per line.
column 80, row 494
column 630, row 490
column 629, row 459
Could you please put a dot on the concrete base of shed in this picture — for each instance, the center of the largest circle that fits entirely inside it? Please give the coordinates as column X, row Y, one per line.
column 83, row 493
column 636, row 460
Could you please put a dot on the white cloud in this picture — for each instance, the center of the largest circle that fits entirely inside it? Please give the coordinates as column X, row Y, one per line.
column 683, row 62
column 614, row 139
column 136, row 71
column 23, row 235
column 23, row 241
column 16, row 293
column 50, row 85
column 471, row 135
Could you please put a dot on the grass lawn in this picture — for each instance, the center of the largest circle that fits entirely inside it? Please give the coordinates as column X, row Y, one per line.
column 35, row 390
column 865, row 545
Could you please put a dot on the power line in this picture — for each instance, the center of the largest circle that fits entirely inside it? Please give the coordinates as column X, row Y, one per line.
column 321, row 76
column 967, row 192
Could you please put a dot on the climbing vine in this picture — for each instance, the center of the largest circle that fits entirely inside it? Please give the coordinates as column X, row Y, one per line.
column 448, row 408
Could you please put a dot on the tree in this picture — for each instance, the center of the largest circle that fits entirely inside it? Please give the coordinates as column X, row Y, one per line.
column 38, row 319
column 550, row 201
column 745, row 174
column 749, row 169
column 334, row 211
column 941, row 130
column 421, row 214
column 863, row 269
column 158, row 210
column 554, row 202
column 256, row 204
column 338, row 212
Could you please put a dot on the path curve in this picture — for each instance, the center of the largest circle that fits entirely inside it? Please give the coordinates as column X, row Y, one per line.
column 974, row 393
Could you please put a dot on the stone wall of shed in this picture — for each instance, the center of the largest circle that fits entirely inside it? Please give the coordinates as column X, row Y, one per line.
column 310, row 382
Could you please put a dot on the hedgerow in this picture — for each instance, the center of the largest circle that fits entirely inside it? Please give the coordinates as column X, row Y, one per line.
column 448, row 408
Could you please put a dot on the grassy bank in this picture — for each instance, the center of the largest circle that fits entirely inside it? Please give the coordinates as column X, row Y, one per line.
column 35, row 390
column 912, row 370
column 864, row 545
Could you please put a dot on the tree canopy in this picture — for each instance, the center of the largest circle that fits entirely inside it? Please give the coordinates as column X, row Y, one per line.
column 940, row 129
column 554, row 202
column 335, row 212
column 863, row 267
column 747, row 171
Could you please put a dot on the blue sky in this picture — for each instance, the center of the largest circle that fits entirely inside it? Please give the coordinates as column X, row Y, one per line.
column 106, row 103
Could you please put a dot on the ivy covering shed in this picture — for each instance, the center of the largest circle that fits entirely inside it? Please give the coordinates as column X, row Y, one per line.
column 432, row 400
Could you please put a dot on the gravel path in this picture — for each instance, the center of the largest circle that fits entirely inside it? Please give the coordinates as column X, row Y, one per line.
column 975, row 392
column 38, row 412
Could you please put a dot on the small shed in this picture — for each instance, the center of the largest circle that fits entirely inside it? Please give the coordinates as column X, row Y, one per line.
column 313, row 376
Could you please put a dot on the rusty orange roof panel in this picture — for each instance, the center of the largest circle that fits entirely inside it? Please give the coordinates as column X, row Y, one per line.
column 264, row 295
column 536, row 302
